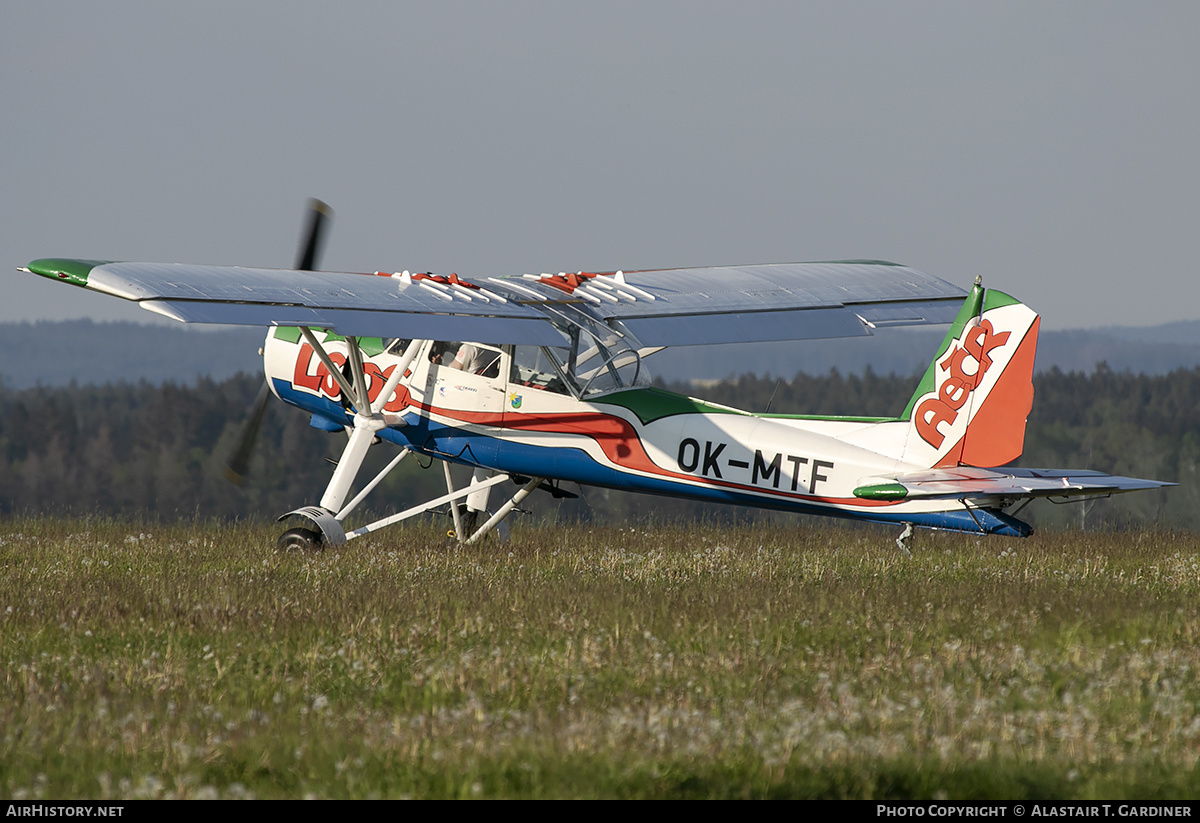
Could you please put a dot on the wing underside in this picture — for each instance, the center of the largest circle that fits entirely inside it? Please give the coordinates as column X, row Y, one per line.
column 669, row 307
column 350, row 304
column 756, row 303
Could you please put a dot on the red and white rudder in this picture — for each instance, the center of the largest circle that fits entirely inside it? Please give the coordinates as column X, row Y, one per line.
column 970, row 407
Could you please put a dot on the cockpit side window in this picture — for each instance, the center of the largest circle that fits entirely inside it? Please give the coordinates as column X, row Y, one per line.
column 596, row 359
column 534, row 366
column 584, row 368
column 474, row 358
column 442, row 352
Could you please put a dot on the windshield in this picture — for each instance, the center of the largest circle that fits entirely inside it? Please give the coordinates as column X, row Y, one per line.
column 596, row 359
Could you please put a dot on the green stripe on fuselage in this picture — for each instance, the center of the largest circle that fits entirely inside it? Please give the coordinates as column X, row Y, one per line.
column 837, row 418
column 371, row 346
column 288, row 334
column 65, row 269
column 654, row 404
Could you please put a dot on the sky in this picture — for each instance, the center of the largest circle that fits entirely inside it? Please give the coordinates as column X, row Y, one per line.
column 1052, row 148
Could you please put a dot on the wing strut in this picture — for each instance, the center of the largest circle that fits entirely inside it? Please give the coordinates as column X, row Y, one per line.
column 424, row 507
column 397, row 375
column 334, row 371
column 329, row 530
column 362, row 400
column 506, row 509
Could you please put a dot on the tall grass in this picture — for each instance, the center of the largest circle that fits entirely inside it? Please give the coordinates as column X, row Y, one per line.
column 190, row 661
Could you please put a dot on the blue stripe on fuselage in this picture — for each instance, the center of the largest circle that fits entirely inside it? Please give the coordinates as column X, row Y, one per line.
column 476, row 448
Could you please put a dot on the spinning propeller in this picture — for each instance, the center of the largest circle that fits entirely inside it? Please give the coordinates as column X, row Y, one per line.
column 307, row 256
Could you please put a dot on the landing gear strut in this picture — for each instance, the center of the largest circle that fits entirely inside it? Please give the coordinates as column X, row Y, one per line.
column 905, row 539
column 325, row 521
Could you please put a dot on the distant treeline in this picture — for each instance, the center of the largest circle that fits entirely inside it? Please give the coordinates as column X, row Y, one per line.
column 1132, row 424
column 83, row 351
column 158, row 451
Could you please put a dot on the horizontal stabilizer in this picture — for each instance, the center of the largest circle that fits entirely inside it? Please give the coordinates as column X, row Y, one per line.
column 967, row 482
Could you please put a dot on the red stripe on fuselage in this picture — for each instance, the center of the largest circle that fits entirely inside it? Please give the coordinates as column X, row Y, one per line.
column 621, row 444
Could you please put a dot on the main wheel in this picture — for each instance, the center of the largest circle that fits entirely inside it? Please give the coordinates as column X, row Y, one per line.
column 299, row 540
column 472, row 520
column 469, row 520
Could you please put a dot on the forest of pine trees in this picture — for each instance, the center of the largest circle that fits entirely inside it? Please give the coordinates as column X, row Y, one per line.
column 146, row 451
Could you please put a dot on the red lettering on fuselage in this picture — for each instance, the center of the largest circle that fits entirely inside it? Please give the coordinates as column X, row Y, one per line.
column 320, row 381
column 301, row 376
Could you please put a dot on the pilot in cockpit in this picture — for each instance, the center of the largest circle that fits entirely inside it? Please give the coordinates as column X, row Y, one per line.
column 468, row 357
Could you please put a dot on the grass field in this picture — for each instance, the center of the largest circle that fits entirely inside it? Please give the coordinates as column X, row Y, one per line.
column 666, row 662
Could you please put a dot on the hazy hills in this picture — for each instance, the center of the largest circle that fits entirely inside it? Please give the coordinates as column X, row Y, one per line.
column 83, row 351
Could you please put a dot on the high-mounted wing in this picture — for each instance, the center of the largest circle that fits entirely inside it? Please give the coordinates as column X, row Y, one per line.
column 966, row 482
column 402, row 305
column 743, row 304
column 665, row 307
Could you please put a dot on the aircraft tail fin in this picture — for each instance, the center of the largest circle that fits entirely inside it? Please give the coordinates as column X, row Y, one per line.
column 970, row 407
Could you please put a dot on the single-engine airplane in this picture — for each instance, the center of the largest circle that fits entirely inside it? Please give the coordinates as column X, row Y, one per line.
column 553, row 390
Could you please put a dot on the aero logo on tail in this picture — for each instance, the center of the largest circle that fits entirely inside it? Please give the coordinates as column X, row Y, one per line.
column 971, row 405
column 974, row 353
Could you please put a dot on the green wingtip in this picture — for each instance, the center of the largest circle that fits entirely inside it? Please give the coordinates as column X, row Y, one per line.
column 71, row 271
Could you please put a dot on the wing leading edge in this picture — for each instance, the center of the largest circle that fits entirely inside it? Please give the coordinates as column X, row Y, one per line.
column 349, row 304
column 666, row 307
column 757, row 303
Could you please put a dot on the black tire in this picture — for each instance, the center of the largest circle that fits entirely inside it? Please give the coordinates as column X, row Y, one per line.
column 299, row 540
column 470, row 521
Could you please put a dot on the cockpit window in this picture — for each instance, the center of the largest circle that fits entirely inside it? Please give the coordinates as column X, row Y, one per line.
column 473, row 358
column 596, row 359
column 442, row 352
column 534, row 366
column 476, row 358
